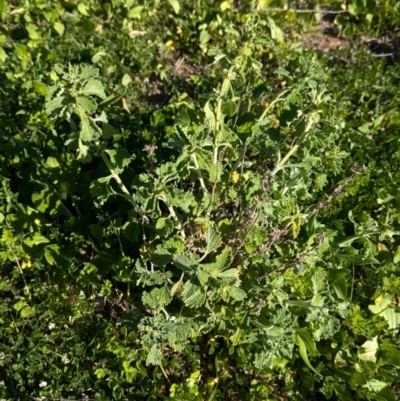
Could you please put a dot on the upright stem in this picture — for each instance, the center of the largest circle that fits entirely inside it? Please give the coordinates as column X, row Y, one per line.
column 282, row 162
column 200, row 174
column 216, row 132
column 121, row 185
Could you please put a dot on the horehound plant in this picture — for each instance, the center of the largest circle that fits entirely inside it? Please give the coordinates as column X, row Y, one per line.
column 232, row 247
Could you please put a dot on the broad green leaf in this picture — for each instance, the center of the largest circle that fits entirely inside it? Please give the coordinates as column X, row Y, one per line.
column 59, row 28
column 204, row 37
column 96, row 230
column 32, row 31
column 388, row 354
column 376, row 385
column 381, row 303
column 182, row 118
column 237, row 293
column 214, row 240
column 126, row 80
column 94, row 87
column 36, row 239
column 160, row 258
column 82, row 8
column 392, row 317
column 185, row 263
column 193, row 295
column 120, row 158
column 175, row 5
column 87, row 105
column 52, row 162
column 135, row 12
column 369, row 350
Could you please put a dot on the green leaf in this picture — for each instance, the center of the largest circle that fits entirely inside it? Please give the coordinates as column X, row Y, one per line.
column 389, row 355
column 135, row 12
column 175, row 5
column 182, row 118
column 204, row 37
column 214, row 240
column 237, row 293
column 36, row 239
column 381, row 303
column 3, row 55
column 396, row 256
column 164, row 226
column 306, row 346
column 160, row 258
column 59, row 28
column 126, row 80
column 120, row 158
column 94, row 87
column 392, row 317
column 155, row 356
column 368, row 351
column 193, row 295
column 32, row 31
column 52, row 162
column 87, row 105
column 96, row 230
column 376, row 385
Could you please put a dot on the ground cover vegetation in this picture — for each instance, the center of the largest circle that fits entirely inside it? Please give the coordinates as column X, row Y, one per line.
column 200, row 200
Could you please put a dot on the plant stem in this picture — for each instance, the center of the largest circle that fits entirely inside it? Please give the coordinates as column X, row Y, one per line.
column 216, row 132
column 282, row 162
column 121, row 185
column 200, row 174
column 174, row 217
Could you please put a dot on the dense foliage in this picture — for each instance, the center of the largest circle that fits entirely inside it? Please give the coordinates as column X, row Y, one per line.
column 199, row 200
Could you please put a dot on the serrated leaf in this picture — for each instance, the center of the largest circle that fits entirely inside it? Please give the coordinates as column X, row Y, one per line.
column 223, row 260
column 89, row 71
column 54, row 105
column 87, row 105
column 107, row 130
column 185, row 263
column 155, row 356
column 120, row 158
column 94, row 87
column 237, row 293
column 131, row 230
column 193, row 295
column 164, row 226
column 160, row 258
column 176, row 288
column 214, row 240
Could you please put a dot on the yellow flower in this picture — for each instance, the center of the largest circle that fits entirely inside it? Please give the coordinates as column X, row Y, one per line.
column 170, row 45
column 235, row 176
column 225, row 5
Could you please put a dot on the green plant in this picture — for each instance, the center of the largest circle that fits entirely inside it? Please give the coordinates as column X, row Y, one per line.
column 243, row 246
